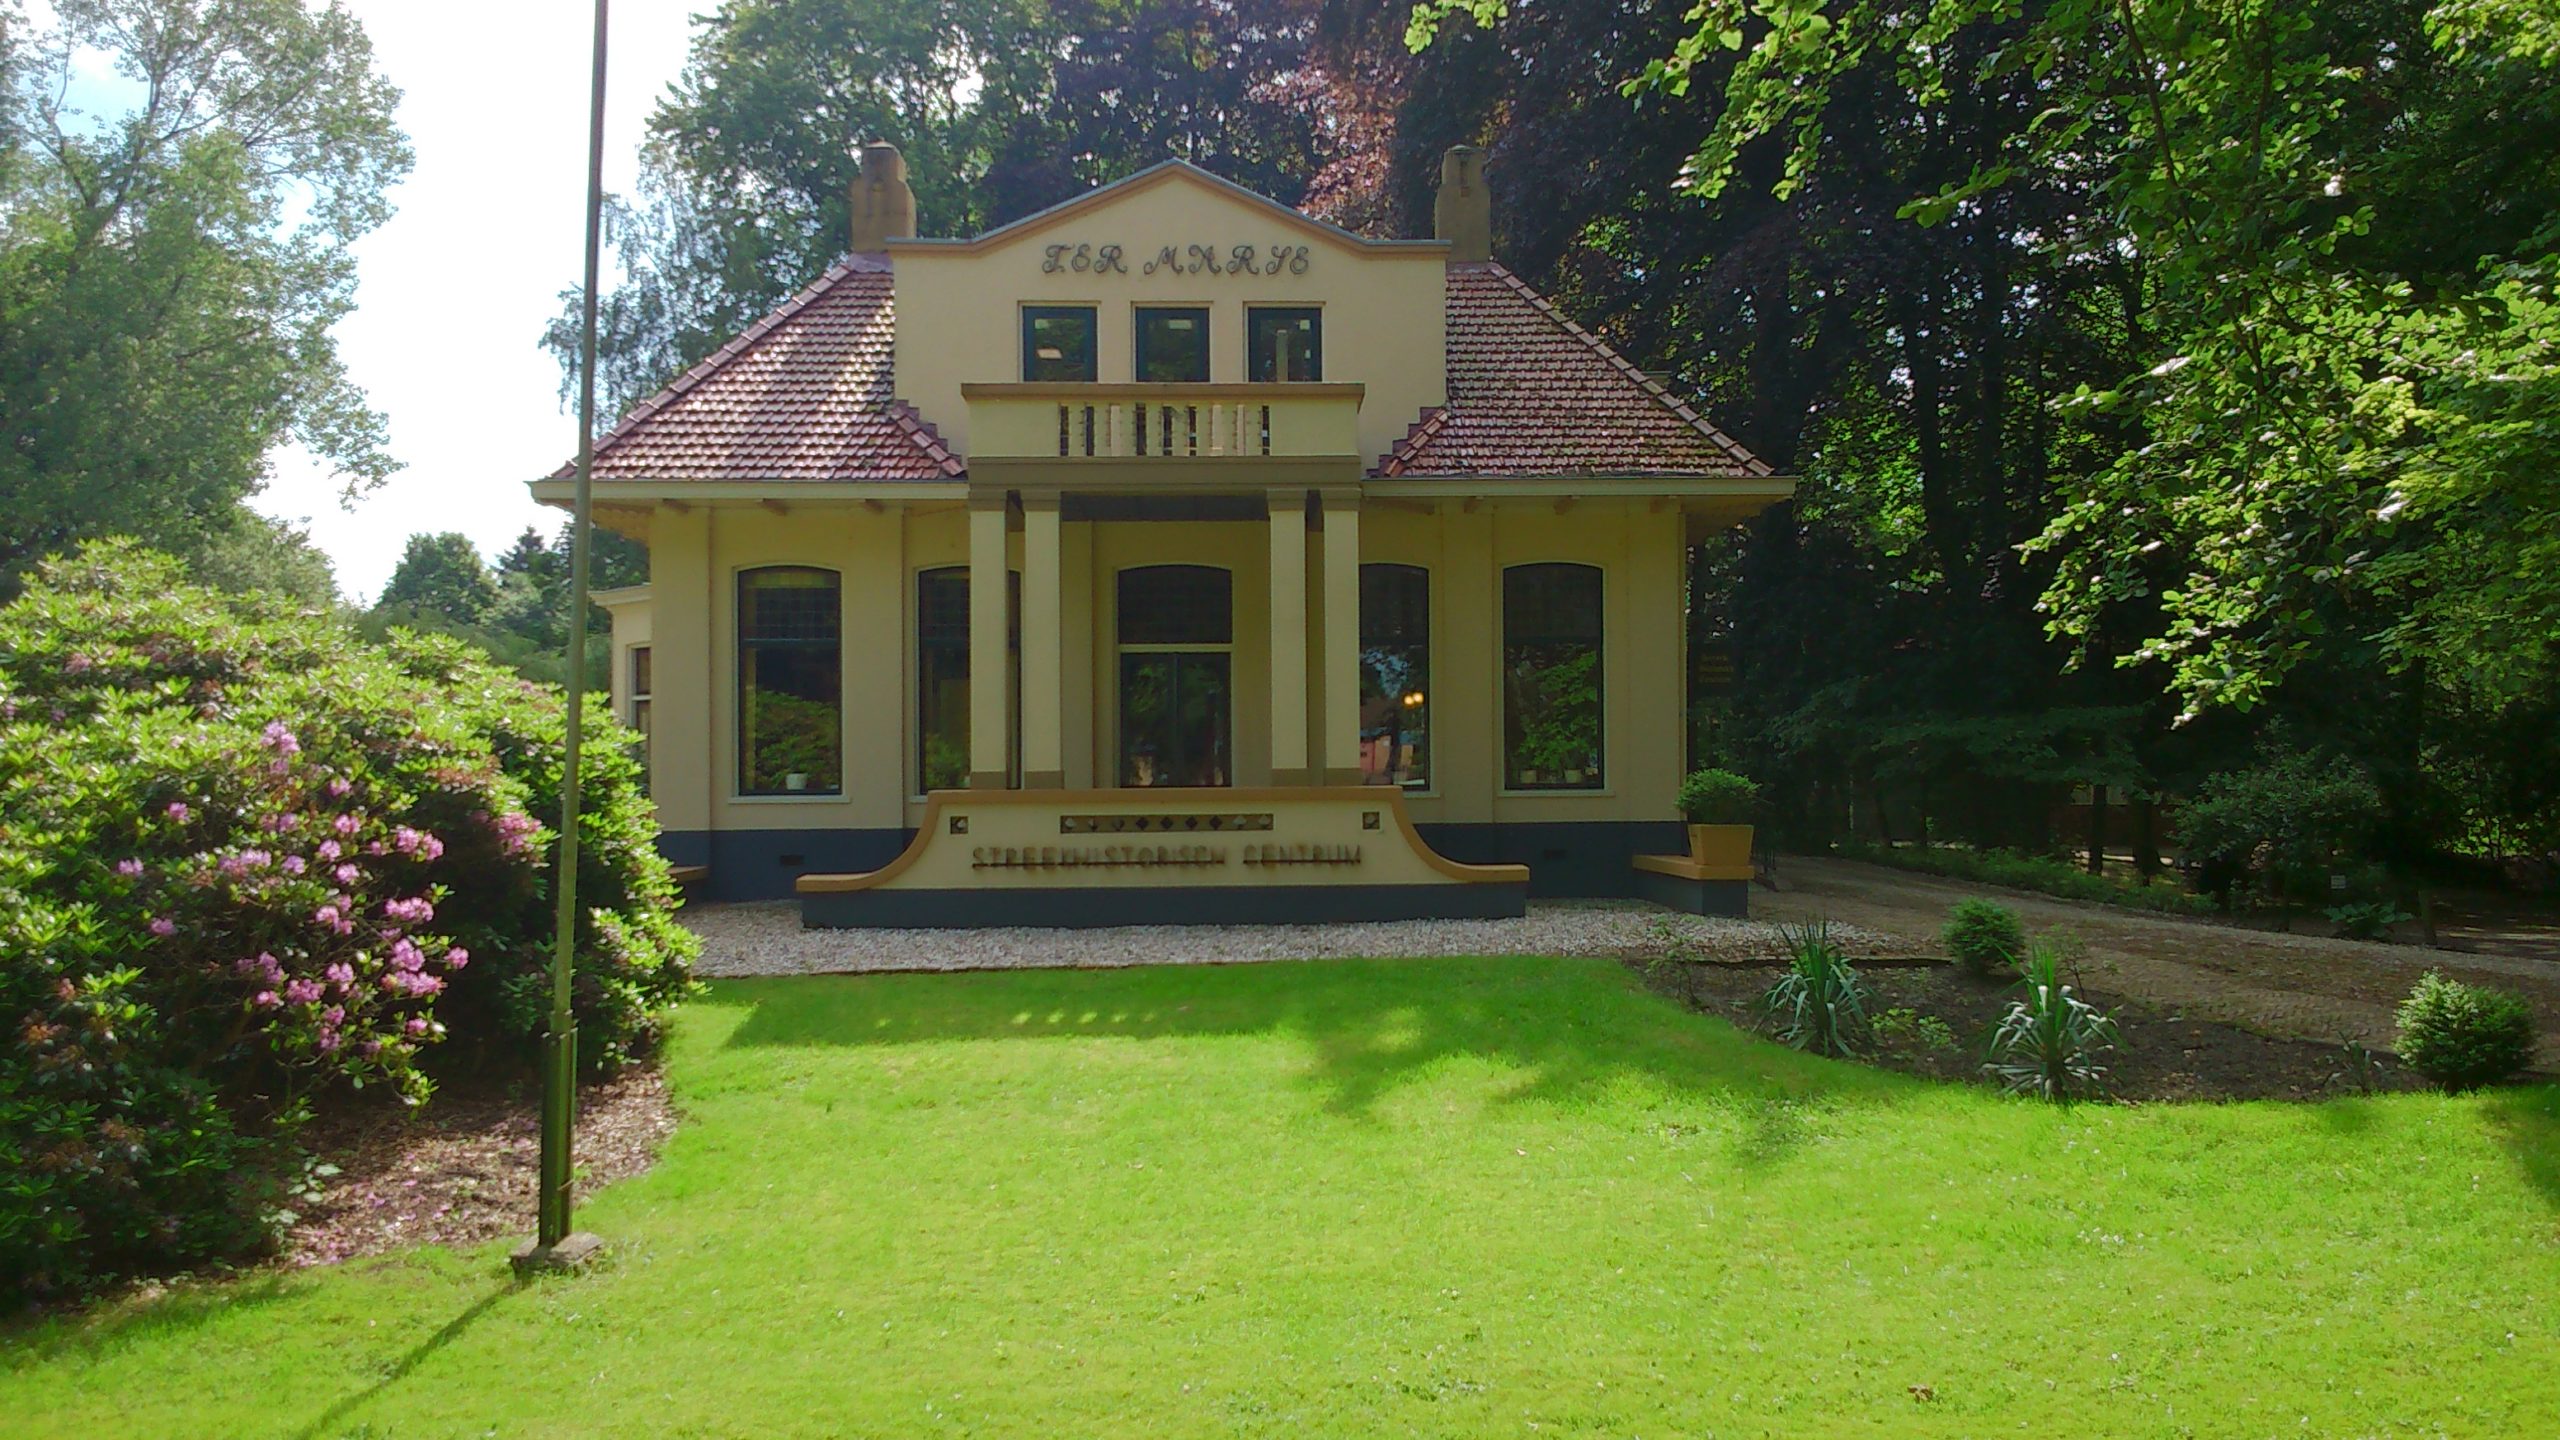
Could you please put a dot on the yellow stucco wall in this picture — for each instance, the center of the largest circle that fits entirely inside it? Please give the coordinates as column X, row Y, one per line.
column 959, row 309
column 691, row 624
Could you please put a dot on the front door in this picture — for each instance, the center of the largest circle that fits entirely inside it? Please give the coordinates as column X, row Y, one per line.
column 1177, row 707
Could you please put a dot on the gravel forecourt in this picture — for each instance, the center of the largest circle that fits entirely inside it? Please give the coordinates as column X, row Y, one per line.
column 766, row 939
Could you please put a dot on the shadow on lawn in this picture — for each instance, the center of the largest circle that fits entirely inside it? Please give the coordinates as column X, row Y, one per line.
column 398, row 1370
column 2527, row 1121
column 1569, row 1027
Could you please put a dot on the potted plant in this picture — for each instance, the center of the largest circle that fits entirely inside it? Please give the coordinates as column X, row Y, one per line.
column 1718, row 804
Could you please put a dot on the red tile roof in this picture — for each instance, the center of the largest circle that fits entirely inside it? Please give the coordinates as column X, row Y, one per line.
column 1533, row 394
column 804, row 395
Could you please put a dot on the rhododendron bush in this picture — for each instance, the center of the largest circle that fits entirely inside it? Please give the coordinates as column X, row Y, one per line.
column 248, row 861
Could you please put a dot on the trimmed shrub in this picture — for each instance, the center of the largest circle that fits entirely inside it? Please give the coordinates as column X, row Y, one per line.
column 1985, row 937
column 2367, row 919
column 1718, row 797
column 247, row 859
column 2464, row 1036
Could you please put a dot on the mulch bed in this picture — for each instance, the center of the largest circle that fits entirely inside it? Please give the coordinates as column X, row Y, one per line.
column 2158, row 1056
column 462, row 1169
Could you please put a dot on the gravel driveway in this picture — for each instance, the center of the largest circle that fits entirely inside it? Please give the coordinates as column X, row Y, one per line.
column 766, row 939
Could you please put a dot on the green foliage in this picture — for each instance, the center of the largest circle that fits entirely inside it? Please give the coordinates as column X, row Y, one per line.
column 2049, row 1043
column 1985, row 937
column 2029, row 872
column 245, row 859
column 2367, row 919
column 169, row 275
column 256, row 553
column 1904, row 1031
column 2284, row 822
column 442, row 575
column 2463, row 1037
column 1718, row 797
column 1820, row 1004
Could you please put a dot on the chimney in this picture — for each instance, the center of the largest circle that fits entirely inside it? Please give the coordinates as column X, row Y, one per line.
column 1463, row 215
column 884, row 209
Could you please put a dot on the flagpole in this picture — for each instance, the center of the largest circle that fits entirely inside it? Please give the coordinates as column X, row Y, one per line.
column 555, row 1245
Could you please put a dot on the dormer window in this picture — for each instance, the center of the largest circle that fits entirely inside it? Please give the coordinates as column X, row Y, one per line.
column 1173, row 344
column 1284, row 343
column 1057, row 343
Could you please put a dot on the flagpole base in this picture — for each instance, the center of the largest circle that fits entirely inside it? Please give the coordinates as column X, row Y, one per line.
column 572, row 1253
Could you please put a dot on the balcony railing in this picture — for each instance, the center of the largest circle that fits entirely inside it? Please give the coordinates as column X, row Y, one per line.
column 1142, row 422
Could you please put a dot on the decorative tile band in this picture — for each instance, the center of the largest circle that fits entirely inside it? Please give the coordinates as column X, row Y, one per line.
column 1159, row 824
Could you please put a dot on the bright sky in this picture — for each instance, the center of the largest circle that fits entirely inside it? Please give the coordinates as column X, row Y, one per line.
column 457, row 287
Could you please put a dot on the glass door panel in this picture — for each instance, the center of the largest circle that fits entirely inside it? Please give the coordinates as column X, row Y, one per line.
column 1174, row 719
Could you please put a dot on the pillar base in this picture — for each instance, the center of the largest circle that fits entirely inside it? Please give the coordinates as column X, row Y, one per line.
column 572, row 1253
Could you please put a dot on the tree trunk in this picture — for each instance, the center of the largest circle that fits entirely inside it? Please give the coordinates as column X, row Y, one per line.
column 2146, row 838
column 2097, row 829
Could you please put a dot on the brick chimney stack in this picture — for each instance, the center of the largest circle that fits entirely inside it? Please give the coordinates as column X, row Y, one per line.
column 884, row 209
column 1463, row 214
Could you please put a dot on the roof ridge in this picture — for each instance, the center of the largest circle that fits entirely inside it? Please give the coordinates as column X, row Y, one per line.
column 719, row 359
column 1651, row 386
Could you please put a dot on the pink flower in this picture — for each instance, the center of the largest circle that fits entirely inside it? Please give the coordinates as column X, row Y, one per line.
column 280, row 740
column 264, row 999
column 406, row 956
column 338, row 787
column 456, row 958
column 294, row 864
column 328, row 1041
column 341, row 974
column 347, row 874
column 302, row 992
column 329, row 850
column 76, row 664
column 164, row 927
column 178, row 811
column 334, row 1015
column 414, row 910
column 346, row 824
column 417, row 1025
column 129, row 869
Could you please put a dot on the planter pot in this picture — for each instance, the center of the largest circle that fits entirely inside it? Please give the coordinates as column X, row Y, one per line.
column 795, row 781
column 1720, row 844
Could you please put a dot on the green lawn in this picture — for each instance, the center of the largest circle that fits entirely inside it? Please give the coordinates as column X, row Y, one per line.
column 1465, row 1198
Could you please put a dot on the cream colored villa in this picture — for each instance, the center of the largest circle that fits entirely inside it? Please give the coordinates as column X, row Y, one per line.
column 1167, row 555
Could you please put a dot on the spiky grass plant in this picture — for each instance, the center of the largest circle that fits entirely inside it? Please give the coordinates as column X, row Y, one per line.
column 2049, row 1043
column 1820, row 1004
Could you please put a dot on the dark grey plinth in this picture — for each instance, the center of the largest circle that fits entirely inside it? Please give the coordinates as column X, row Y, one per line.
column 1728, row 898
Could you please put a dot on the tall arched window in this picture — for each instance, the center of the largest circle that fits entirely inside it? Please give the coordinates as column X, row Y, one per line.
column 1551, row 644
column 1176, row 632
column 1395, row 676
column 790, row 682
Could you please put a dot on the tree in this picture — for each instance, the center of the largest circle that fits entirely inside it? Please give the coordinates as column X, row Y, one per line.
column 168, row 276
column 442, row 576
column 747, row 174
column 254, row 552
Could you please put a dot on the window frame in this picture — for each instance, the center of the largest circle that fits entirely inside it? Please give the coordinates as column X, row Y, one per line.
column 741, row 770
column 1253, row 359
column 1032, row 314
column 1138, row 317
column 914, row 778
column 1427, row 783
column 1598, row 781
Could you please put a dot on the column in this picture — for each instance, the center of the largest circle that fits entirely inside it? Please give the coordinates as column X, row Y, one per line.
column 1289, row 638
column 1044, row 754
column 990, row 700
column 1341, row 656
